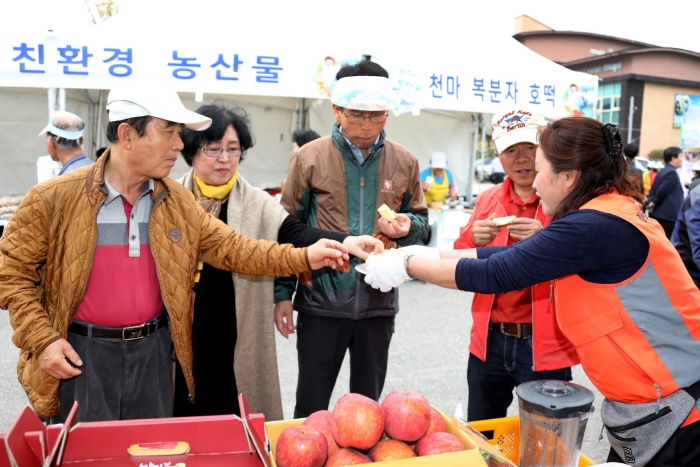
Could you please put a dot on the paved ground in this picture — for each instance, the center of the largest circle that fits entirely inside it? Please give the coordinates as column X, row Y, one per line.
column 428, row 354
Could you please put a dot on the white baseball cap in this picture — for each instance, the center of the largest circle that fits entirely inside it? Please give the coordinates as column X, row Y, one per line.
column 125, row 103
column 438, row 160
column 695, row 167
column 368, row 93
column 515, row 126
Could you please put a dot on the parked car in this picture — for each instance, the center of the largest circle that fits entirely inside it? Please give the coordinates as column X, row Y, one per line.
column 483, row 170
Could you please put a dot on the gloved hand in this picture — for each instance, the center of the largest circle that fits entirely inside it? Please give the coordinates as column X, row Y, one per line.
column 386, row 271
column 421, row 251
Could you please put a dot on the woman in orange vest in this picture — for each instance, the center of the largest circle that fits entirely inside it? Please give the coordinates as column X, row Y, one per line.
column 624, row 298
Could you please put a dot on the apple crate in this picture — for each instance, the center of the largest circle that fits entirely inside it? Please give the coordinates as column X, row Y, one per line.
column 470, row 457
column 506, row 434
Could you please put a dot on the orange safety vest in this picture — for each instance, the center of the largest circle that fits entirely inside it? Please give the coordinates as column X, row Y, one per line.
column 638, row 339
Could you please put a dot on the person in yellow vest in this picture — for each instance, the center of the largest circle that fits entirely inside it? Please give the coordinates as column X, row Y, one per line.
column 624, row 297
column 437, row 181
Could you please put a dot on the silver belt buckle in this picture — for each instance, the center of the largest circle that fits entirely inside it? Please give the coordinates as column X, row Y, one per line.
column 132, row 333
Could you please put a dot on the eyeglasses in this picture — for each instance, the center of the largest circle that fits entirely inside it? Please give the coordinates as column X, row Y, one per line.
column 357, row 119
column 216, row 152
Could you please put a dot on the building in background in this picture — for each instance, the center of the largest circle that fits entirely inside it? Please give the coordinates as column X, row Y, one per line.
column 642, row 86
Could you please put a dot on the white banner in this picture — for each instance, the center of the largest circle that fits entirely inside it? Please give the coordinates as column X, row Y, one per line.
column 436, row 82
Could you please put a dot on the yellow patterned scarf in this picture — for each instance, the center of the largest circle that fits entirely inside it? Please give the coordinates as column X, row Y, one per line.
column 211, row 197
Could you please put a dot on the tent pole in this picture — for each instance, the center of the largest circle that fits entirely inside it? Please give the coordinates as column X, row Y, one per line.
column 62, row 99
column 99, row 122
column 90, row 143
column 475, row 137
column 51, row 94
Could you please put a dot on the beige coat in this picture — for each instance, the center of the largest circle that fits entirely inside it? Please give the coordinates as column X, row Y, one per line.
column 47, row 250
column 256, row 214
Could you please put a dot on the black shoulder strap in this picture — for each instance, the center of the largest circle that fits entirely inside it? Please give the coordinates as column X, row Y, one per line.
column 693, row 390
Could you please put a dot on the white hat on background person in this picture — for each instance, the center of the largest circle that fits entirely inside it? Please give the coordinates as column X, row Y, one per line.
column 438, row 160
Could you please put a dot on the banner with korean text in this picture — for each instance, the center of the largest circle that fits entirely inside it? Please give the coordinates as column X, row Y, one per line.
column 460, row 83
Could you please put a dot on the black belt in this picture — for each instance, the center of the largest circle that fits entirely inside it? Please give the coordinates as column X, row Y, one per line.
column 128, row 333
column 516, row 330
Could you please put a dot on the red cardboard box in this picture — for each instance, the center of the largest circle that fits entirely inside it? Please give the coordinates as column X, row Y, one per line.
column 169, row 442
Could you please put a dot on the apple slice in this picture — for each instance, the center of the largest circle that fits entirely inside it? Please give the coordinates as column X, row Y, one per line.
column 386, row 212
column 501, row 221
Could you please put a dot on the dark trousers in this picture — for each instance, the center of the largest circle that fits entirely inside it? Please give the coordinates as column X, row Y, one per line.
column 667, row 225
column 682, row 449
column 321, row 346
column 508, row 364
column 121, row 380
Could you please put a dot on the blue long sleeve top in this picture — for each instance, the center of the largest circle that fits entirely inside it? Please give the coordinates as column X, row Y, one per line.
column 599, row 247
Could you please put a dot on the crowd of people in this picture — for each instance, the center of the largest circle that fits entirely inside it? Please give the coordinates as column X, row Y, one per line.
column 140, row 296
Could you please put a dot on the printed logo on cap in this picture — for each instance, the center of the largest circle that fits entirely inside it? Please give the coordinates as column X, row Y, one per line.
column 514, row 120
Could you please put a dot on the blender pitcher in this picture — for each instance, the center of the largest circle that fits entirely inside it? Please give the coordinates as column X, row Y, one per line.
column 553, row 416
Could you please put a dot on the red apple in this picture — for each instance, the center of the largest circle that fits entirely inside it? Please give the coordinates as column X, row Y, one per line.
column 357, row 422
column 347, row 457
column 407, row 415
column 391, row 450
column 301, row 446
column 438, row 443
column 321, row 420
column 437, row 423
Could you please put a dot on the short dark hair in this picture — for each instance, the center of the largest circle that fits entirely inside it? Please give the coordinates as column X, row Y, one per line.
column 221, row 119
column 301, row 137
column 137, row 123
column 362, row 68
column 99, row 152
column 631, row 151
column 671, row 153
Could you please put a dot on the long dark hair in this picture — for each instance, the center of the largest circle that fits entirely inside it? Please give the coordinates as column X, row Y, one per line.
column 578, row 143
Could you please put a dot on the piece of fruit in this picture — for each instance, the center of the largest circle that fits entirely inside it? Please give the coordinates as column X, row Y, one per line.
column 386, row 212
column 438, row 443
column 407, row 415
column 357, row 422
column 391, row 450
column 437, row 423
column 321, row 420
column 347, row 457
column 501, row 221
column 301, row 446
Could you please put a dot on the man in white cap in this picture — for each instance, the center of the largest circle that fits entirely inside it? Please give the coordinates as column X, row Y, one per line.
column 97, row 267
column 437, row 181
column 64, row 141
column 337, row 183
column 515, row 337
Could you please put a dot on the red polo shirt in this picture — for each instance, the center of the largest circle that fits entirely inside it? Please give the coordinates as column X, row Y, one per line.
column 516, row 306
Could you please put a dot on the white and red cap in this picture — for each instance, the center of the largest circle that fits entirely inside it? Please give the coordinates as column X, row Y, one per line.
column 514, row 126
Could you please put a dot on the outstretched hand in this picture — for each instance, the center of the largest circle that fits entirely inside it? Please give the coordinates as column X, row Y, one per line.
column 363, row 245
column 387, row 270
column 328, row 253
column 397, row 228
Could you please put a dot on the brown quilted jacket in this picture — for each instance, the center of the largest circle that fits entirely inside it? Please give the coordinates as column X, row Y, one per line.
column 47, row 250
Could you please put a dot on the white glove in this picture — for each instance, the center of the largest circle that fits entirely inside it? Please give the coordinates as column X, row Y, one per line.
column 386, row 270
column 421, row 251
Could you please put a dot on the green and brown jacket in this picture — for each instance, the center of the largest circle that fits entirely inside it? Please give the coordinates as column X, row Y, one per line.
column 328, row 188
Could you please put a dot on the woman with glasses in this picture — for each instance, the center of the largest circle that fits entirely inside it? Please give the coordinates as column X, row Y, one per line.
column 232, row 335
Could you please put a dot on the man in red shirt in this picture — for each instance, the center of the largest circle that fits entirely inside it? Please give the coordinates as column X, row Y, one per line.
column 514, row 337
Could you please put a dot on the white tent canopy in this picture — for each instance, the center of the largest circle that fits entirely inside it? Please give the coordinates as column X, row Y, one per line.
column 217, row 53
